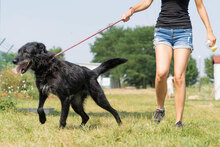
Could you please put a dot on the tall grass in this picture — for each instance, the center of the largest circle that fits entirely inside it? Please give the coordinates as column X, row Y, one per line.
column 136, row 107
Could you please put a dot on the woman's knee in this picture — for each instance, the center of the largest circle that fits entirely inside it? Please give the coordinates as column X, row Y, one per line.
column 179, row 79
column 161, row 76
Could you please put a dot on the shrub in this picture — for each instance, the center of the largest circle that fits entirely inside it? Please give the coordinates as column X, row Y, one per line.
column 6, row 104
column 13, row 84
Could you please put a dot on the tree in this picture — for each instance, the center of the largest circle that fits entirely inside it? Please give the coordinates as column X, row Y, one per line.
column 137, row 46
column 140, row 70
column 56, row 50
column 105, row 47
column 209, row 69
column 191, row 72
column 133, row 44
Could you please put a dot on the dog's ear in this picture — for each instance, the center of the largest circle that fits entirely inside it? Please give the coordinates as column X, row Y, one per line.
column 42, row 47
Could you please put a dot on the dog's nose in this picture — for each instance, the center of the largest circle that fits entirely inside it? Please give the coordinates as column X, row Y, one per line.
column 15, row 61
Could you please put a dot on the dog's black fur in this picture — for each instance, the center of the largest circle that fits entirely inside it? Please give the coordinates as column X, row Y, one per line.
column 70, row 82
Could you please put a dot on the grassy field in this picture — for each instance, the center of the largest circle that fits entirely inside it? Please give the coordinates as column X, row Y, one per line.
column 136, row 107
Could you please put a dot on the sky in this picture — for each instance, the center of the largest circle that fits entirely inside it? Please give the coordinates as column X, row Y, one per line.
column 65, row 23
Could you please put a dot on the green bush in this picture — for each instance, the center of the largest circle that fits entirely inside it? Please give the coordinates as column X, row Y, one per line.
column 13, row 84
column 6, row 104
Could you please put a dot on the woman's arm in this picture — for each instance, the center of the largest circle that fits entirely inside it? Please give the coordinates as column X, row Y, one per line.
column 144, row 4
column 204, row 16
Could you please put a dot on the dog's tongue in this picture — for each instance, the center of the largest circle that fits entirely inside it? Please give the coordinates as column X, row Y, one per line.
column 17, row 70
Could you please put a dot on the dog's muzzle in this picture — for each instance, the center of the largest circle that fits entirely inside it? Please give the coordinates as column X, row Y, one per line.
column 22, row 67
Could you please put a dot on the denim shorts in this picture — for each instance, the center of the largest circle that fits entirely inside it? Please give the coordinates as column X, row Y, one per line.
column 175, row 38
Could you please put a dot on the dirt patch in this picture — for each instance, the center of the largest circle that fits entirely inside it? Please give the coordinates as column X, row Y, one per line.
column 193, row 97
column 4, row 95
column 20, row 96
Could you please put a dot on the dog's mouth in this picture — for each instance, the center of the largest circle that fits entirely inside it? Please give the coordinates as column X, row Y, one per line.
column 23, row 68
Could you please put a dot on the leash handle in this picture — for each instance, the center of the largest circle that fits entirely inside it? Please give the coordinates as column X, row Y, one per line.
column 88, row 38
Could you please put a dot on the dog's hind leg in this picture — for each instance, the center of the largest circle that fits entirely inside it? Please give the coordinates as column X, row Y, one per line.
column 65, row 103
column 40, row 110
column 77, row 105
column 99, row 97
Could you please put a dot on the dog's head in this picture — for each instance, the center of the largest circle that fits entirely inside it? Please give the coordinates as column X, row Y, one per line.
column 27, row 55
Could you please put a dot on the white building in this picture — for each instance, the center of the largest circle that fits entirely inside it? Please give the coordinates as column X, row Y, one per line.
column 216, row 62
column 105, row 82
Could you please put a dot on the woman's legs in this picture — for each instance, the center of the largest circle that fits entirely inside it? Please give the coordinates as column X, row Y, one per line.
column 163, row 59
column 181, row 57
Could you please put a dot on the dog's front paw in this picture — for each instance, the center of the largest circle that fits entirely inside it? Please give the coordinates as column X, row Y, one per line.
column 82, row 125
column 62, row 125
column 42, row 119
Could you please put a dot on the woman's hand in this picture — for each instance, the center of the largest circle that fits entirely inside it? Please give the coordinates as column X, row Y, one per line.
column 204, row 16
column 127, row 15
column 144, row 4
column 211, row 37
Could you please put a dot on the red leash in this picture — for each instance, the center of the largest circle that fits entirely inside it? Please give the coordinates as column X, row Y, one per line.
column 88, row 37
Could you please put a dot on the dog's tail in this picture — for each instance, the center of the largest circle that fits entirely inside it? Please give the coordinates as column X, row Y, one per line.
column 109, row 64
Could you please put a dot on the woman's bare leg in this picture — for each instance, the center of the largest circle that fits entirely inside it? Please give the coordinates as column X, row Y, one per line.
column 181, row 57
column 163, row 59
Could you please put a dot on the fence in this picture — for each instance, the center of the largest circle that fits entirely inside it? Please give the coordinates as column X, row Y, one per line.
column 5, row 56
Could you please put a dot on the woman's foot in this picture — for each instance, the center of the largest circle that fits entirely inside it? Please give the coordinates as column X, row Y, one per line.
column 159, row 115
column 179, row 124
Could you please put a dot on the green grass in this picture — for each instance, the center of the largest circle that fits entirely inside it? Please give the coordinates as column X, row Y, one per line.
column 201, row 123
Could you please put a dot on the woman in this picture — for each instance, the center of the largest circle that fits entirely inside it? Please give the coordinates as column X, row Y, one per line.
column 173, row 35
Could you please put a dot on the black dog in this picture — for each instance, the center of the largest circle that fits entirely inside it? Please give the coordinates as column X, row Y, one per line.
column 70, row 82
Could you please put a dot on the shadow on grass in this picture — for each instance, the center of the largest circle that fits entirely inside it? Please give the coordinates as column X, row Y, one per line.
column 96, row 124
column 122, row 114
column 85, row 128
